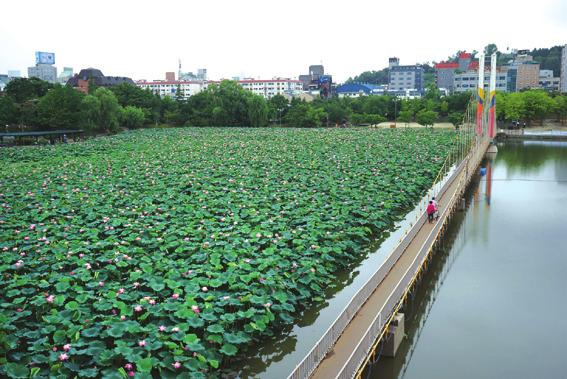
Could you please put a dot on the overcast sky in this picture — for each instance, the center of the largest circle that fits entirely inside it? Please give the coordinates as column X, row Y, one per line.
column 264, row 38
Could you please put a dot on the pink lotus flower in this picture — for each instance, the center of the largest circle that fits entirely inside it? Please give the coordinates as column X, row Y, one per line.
column 268, row 305
column 226, row 297
column 204, row 289
column 63, row 357
column 162, row 328
column 175, row 296
column 128, row 366
column 26, row 238
column 67, row 347
column 121, row 290
column 136, row 284
column 142, row 343
column 138, row 308
column 258, row 235
column 54, row 348
column 122, row 318
column 32, row 226
column 88, row 266
column 101, row 283
column 195, row 309
column 176, row 365
column 175, row 329
column 19, row 263
column 50, row 299
column 131, row 374
column 151, row 301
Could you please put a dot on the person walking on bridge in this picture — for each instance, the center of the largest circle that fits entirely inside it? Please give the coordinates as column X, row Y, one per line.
column 436, row 205
column 430, row 211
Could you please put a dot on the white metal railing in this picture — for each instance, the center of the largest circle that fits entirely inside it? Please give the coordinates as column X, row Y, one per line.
column 363, row 348
column 310, row 362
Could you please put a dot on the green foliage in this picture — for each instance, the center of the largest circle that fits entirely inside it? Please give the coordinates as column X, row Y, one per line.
column 372, row 77
column 132, row 117
column 258, row 110
column 456, row 118
column 109, row 110
column 8, row 111
column 153, row 107
column 531, row 105
column 60, row 108
column 24, row 89
column 426, row 117
column 305, row 115
column 220, row 235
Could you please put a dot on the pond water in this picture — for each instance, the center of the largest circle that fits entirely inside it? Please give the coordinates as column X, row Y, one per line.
column 494, row 302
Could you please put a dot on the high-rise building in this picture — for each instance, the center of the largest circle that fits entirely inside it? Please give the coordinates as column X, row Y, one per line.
column 406, row 78
column 43, row 72
column 44, row 68
column 523, row 72
column 65, row 75
column 14, row 74
column 564, row 69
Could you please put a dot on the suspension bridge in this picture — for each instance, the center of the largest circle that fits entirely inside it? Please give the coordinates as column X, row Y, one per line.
column 356, row 336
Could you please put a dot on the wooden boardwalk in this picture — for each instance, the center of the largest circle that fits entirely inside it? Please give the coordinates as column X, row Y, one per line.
column 334, row 361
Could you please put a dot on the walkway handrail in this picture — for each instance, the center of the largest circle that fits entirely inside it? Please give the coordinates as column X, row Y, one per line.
column 375, row 329
column 310, row 362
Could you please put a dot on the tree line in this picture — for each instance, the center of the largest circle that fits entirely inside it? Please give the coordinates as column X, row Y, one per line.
column 38, row 105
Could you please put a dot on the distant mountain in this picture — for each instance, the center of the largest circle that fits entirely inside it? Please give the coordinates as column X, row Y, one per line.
column 549, row 59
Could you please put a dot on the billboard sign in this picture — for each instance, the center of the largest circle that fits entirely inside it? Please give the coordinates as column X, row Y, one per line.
column 42, row 57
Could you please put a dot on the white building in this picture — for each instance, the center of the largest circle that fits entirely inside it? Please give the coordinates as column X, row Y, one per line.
column 264, row 88
column 170, row 88
column 45, row 72
column 270, row 88
column 468, row 81
column 547, row 81
column 564, row 69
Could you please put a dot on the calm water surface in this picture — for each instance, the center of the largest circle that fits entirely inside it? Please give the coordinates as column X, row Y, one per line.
column 494, row 303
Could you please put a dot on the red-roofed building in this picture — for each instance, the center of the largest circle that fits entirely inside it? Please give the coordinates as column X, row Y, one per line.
column 445, row 71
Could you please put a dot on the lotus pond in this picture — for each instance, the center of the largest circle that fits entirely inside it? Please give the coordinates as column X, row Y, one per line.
column 168, row 253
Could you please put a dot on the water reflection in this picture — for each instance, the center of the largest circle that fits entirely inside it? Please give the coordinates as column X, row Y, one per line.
column 494, row 305
column 421, row 300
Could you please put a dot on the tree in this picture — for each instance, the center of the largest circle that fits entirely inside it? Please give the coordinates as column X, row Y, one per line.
column 489, row 49
column 60, row 108
column 426, row 117
column 8, row 111
column 150, row 103
column 561, row 108
column 109, row 110
column 337, row 110
column 258, row 111
column 23, row 89
column 304, row 115
column 515, row 106
column 278, row 107
column 456, row 118
column 537, row 105
column 405, row 116
column 132, row 117
column 91, row 110
column 27, row 113
column 372, row 77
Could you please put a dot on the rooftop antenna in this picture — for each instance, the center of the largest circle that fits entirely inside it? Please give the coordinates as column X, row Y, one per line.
column 179, row 72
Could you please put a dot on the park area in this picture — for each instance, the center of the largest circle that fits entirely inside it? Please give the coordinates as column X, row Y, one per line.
column 169, row 253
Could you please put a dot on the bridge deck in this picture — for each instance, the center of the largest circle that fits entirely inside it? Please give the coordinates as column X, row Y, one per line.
column 336, row 358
